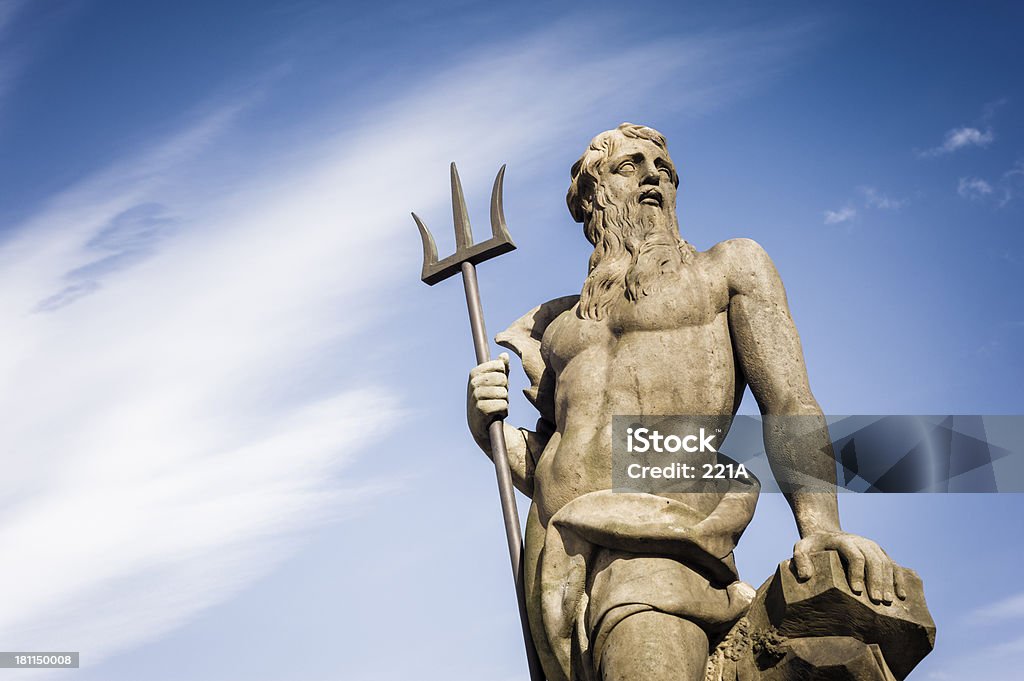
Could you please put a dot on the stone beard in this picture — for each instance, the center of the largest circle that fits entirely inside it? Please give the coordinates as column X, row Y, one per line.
column 633, row 247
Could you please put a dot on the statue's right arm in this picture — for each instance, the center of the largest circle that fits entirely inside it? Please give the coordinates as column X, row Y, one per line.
column 486, row 401
column 488, row 391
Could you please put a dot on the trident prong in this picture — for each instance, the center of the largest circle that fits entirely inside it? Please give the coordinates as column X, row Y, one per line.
column 465, row 250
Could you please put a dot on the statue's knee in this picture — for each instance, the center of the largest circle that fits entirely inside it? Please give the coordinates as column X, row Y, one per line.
column 651, row 645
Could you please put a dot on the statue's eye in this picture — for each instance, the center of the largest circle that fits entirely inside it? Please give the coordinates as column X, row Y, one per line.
column 666, row 172
column 626, row 167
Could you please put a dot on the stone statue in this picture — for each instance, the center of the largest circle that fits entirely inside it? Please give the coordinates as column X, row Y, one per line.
column 624, row 586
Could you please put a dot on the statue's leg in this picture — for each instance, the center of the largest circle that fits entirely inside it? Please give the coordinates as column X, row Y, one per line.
column 654, row 646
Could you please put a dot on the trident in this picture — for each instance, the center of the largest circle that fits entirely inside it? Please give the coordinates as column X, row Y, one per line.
column 467, row 256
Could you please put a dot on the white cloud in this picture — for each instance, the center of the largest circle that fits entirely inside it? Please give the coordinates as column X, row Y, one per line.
column 168, row 434
column 1011, row 184
column 844, row 214
column 875, row 199
column 872, row 199
column 989, row 661
column 993, row 621
column 988, row 112
column 1013, row 647
column 1006, row 188
column 1009, row 608
column 973, row 188
column 960, row 138
column 154, row 469
column 967, row 137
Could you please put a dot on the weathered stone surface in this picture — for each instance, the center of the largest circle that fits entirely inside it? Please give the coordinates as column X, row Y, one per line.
column 826, row 606
column 828, row 658
column 621, row 586
column 818, row 628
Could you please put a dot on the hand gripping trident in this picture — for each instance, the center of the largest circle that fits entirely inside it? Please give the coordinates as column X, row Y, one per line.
column 467, row 256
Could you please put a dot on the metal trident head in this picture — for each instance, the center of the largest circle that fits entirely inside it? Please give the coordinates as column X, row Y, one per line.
column 465, row 250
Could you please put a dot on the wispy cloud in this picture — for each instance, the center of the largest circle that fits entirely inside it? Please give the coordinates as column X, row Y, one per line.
column 1011, row 184
column 989, row 660
column 1002, row 645
column 988, row 112
column 844, row 214
column 1009, row 608
column 170, row 430
column 871, row 199
column 960, row 138
column 129, row 238
column 876, row 199
column 143, row 358
column 1001, row 192
column 1011, row 647
column 973, row 188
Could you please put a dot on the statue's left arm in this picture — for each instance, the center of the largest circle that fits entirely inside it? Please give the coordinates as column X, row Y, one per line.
column 770, row 356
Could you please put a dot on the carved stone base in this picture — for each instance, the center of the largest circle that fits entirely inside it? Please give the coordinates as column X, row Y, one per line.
column 820, row 629
column 827, row 658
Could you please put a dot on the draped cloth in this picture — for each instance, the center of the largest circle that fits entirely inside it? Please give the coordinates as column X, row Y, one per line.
column 609, row 555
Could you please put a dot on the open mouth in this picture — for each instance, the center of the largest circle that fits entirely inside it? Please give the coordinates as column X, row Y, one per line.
column 651, row 197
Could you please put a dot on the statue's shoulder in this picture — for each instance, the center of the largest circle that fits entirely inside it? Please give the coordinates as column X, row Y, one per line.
column 743, row 263
column 737, row 250
column 524, row 337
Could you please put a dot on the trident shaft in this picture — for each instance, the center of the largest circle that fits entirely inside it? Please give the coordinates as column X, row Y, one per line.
column 465, row 259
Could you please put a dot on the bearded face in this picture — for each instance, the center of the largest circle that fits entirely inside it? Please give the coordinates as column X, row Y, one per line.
column 630, row 218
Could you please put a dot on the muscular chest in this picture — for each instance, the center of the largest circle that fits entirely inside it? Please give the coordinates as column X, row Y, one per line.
column 667, row 315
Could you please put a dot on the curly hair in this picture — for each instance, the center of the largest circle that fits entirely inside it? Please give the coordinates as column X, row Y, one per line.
column 585, row 171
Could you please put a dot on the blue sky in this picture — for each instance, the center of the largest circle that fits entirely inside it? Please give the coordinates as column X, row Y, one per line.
column 233, row 415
